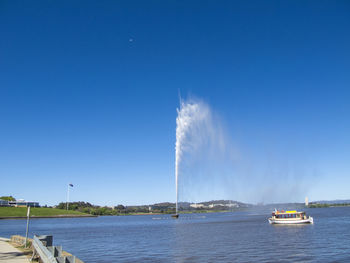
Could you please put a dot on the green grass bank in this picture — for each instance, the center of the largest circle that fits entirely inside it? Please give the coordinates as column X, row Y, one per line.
column 21, row 212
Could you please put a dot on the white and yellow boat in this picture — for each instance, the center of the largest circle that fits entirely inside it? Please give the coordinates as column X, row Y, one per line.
column 290, row 217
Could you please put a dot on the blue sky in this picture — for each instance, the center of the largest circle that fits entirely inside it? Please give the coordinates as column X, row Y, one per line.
column 89, row 91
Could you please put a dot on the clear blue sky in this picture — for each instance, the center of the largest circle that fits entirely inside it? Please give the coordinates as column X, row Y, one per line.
column 89, row 91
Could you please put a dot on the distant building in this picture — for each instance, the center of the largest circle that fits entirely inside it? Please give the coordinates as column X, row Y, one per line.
column 23, row 203
column 197, row 205
column 4, row 202
column 216, row 205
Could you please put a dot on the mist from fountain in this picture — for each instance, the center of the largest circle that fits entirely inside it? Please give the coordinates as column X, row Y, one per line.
column 210, row 166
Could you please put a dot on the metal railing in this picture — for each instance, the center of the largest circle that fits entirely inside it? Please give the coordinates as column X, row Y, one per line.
column 49, row 254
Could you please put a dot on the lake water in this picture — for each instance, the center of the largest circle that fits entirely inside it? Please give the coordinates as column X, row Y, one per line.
column 223, row 237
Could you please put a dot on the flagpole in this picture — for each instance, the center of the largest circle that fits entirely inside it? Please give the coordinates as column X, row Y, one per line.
column 67, row 204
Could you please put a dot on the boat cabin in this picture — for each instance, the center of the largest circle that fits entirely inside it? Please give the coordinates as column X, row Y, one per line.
column 288, row 214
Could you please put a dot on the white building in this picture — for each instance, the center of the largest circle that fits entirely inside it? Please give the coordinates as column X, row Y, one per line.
column 214, row 205
column 23, row 203
column 232, row 205
column 196, row 205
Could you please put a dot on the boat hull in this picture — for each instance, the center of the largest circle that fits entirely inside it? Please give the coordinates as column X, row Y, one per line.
column 309, row 220
column 176, row 216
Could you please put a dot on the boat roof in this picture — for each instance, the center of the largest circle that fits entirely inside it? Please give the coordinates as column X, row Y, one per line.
column 288, row 212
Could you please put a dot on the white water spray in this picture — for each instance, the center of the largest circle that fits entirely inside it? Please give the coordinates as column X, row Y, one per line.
column 190, row 117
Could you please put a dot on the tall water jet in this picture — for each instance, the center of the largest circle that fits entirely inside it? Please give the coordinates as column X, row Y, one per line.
column 189, row 115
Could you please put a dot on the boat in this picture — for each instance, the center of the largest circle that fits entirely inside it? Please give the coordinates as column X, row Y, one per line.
column 176, row 216
column 290, row 217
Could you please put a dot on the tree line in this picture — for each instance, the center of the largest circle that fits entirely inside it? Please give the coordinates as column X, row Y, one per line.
column 88, row 208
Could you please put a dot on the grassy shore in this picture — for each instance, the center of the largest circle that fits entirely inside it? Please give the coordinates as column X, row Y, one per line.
column 318, row 205
column 17, row 212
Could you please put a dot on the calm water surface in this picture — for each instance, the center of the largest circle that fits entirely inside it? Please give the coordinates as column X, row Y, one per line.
column 223, row 237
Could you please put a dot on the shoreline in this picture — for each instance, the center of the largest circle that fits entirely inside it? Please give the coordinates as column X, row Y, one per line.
column 81, row 216
column 38, row 217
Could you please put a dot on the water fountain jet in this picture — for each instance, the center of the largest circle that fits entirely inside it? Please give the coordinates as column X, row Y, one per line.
column 188, row 116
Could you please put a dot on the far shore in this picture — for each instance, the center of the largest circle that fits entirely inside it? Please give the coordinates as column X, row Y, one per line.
column 88, row 215
column 76, row 216
column 55, row 216
column 93, row 211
